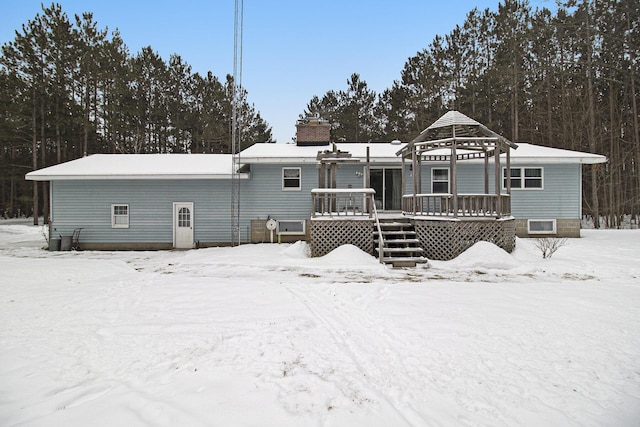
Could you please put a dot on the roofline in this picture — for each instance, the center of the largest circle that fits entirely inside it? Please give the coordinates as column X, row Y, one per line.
column 312, row 160
column 35, row 177
column 538, row 160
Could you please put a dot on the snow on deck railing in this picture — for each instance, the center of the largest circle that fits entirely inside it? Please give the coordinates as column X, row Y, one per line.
column 464, row 205
column 342, row 201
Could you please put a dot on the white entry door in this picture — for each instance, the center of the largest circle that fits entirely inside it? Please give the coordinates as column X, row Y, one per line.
column 183, row 225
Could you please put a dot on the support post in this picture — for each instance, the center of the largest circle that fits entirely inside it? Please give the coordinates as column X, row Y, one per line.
column 497, row 173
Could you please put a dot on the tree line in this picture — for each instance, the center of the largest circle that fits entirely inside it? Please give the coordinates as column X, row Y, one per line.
column 566, row 79
column 69, row 88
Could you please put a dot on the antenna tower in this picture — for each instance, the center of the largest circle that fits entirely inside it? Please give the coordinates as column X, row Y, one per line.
column 236, row 134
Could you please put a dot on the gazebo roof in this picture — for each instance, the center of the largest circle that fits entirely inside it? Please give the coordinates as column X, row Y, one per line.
column 456, row 129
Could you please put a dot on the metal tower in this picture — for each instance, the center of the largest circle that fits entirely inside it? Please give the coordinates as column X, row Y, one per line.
column 236, row 134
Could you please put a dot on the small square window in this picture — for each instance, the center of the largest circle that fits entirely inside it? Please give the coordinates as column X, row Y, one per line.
column 291, row 180
column 119, row 216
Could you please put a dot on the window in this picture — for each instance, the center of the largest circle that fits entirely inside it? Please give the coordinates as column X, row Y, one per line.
column 541, row 226
column 291, row 179
column 184, row 217
column 523, row 178
column 440, row 180
column 119, row 216
column 291, row 227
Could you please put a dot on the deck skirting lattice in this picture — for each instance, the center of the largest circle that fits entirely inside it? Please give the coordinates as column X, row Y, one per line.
column 328, row 235
column 445, row 240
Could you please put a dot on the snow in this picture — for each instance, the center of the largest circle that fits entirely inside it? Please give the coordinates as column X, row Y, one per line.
column 219, row 166
column 148, row 166
column 265, row 335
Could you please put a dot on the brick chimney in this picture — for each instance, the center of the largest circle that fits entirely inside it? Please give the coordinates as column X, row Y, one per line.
column 313, row 131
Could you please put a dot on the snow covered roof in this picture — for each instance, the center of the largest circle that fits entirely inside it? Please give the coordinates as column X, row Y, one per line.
column 451, row 118
column 219, row 166
column 454, row 124
column 386, row 153
column 147, row 166
column 530, row 153
column 291, row 153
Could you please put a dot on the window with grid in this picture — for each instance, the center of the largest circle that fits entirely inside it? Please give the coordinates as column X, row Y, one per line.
column 184, row 217
column 440, row 181
column 119, row 216
column 291, row 179
column 524, row 178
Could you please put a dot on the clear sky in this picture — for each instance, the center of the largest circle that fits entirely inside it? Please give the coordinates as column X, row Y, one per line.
column 292, row 50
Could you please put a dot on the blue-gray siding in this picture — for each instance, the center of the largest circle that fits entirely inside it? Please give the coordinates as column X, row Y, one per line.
column 559, row 199
column 87, row 204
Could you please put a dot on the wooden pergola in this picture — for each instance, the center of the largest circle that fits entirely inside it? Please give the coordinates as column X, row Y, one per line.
column 455, row 137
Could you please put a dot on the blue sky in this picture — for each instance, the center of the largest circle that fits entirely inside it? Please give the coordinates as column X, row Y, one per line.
column 292, row 50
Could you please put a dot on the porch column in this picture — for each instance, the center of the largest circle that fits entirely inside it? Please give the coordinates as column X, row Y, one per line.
column 497, row 173
column 486, row 172
column 415, row 166
column 322, row 183
column 454, row 183
column 403, row 183
column 367, row 180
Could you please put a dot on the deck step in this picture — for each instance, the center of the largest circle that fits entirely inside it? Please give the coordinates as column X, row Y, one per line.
column 401, row 246
column 395, row 225
column 399, row 241
column 413, row 249
column 404, row 261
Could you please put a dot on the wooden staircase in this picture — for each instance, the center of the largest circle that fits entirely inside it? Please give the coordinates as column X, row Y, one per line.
column 400, row 247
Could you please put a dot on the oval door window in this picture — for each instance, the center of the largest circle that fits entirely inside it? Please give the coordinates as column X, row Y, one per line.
column 184, row 217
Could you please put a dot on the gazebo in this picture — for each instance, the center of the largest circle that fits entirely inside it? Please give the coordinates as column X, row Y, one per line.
column 448, row 222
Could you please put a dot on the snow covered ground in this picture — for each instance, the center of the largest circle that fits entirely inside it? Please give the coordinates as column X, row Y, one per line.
column 262, row 335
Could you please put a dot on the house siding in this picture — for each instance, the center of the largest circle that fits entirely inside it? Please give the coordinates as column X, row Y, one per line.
column 262, row 195
column 559, row 198
column 87, row 205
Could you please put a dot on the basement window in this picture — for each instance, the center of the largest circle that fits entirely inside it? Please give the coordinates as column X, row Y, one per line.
column 541, row 226
column 119, row 216
column 291, row 227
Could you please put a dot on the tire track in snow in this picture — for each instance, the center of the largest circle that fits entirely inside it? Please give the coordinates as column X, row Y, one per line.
column 379, row 365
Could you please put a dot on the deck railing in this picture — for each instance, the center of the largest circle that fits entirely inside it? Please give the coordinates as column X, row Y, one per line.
column 468, row 205
column 342, row 202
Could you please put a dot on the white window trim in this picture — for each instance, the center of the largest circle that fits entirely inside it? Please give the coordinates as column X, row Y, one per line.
column 522, row 178
column 284, row 233
column 552, row 221
column 299, row 187
column 113, row 216
column 448, row 181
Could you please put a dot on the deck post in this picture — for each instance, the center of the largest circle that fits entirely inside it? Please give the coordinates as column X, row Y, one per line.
column 367, row 179
column 509, row 171
column 497, row 173
column 486, row 173
column 322, row 183
column 416, row 168
column 454, row 184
